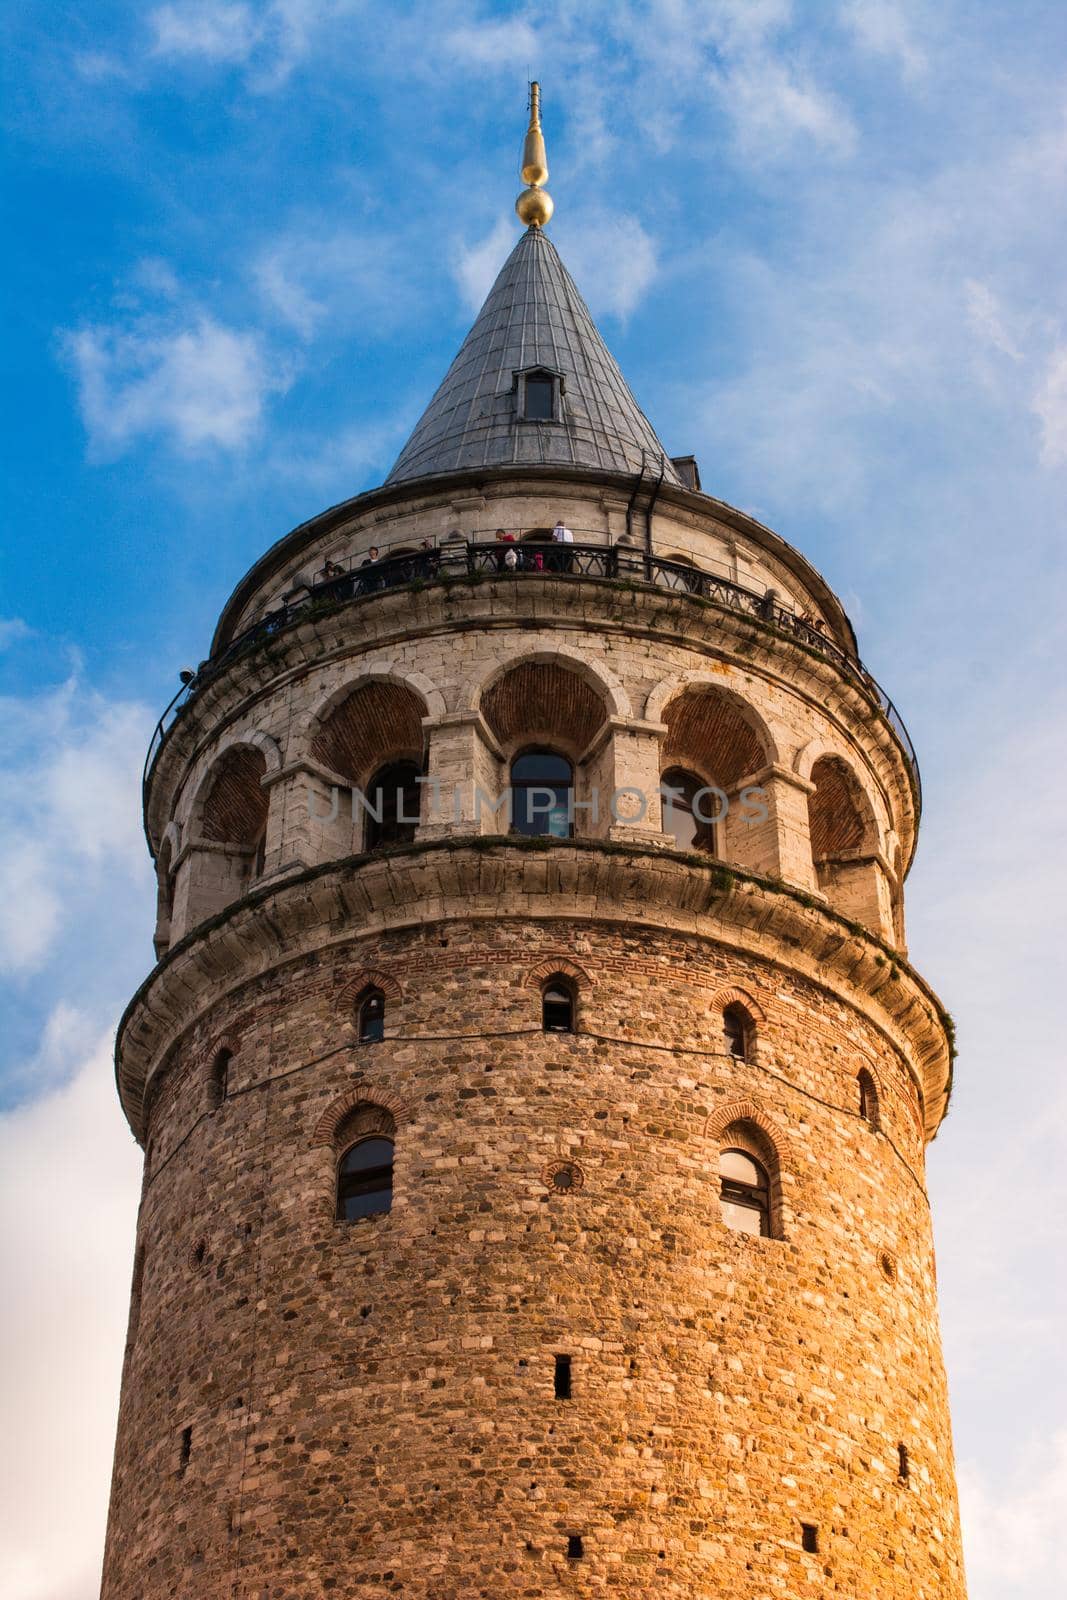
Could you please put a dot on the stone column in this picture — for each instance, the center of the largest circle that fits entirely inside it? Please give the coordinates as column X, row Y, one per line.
column 766, row 827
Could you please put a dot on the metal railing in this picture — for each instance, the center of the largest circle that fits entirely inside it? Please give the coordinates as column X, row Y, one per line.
column 455, row 561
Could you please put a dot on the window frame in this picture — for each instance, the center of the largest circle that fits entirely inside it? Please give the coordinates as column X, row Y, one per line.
column 390, row 831
column 350, row 1185
column 539, row 375
column 754, row 1197
column 705, row 834
column 523, row 784
column 370, row 997
column 746, row 1031
column 566, row 988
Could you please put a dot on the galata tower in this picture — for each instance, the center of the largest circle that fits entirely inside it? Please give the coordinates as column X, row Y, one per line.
column 533, row 1085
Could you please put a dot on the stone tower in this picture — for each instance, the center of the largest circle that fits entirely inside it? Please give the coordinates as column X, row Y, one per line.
column 533, row 1084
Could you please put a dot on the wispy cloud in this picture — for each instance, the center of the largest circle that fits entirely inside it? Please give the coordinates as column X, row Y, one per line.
column 197, row 383
column 69, row 818
column 884, row 28
column 66, row 1294
column 268, row 40
column 1016, row 1530
column 1050, row 406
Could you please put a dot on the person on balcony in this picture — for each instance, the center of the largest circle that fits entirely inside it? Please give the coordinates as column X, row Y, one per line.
column 561, row 560
column 505, row 559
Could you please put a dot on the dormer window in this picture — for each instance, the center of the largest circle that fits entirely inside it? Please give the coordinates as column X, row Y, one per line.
column 538, row 394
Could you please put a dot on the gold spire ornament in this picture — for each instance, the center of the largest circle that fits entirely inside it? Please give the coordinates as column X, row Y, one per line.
column 534, row 204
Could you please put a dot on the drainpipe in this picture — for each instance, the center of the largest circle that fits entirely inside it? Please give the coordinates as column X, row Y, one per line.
column 648, row 519
column 633, row 498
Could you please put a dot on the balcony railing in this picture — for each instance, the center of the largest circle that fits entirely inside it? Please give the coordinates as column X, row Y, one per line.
column 476, row 559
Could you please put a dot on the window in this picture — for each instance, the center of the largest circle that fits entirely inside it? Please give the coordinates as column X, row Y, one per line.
column 903, row 1463
column 689, row 819
column 371, row 1017
column 539, row 397
column 185, row 1450
column 809, row 1538
column 575, row 1548
column 563, row 1378
column 392, row 801
column 745, row 1191
column 220, row 1077
column 365, row 1180
column 557, row 1007
column 542, row 793
column 737, row 1031
column 868, row 1096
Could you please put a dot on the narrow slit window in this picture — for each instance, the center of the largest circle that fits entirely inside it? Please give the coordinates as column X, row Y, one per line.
column 735, row 1032
column 903, row 1463
column 557, row 1008
column 575, row 1549
column 372, row 1017
column 563, row 1377
column 868, row 1097
column 809, row 1538
column 220, row 1077
column 185, row 1449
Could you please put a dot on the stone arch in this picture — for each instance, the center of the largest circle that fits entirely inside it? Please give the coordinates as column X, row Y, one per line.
column 743, row 1125
column 732, row 996
column 265, row 743
column 367, row 978
column 333, row 1120
column 557, row 965
column 376, row 672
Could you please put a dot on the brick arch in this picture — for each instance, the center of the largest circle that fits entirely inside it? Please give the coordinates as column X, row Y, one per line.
column 366, row 723
column 378, row 673
column 742, row 1111
column 561, row 965
column 229, row 799
column 368, row 978
column 595, row 674
column 265, row 743
column 732, row 996
column 363, row 1094
column 710, row 729
column 840, row 813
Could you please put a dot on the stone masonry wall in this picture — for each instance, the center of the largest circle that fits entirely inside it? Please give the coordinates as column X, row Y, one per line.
column 372, row 1404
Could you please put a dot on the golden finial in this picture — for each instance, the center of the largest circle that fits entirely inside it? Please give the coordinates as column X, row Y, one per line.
column 534, row 204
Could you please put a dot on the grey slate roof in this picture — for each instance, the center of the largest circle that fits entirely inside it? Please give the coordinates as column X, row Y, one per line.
column 534, row 316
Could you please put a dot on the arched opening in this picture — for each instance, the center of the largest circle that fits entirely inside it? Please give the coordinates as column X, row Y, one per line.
column 844, row 847
column 373, row 739
column 714, row 738
column 219, row 1077
column 392, row 805
column 739, row 1032
column 690, row 809
column 542, row 794
column 370, row 1017
column 365, row 1179
column 557, row 1006
column 867, row 1091
column 745, row 1192
column 235, row 809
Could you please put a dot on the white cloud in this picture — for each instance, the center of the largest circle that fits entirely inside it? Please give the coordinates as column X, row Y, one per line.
column 197, row 382
column 69, row 1179
column 883, row 28
column 211, row 29
column 612, row 259
column 987, row 318
column 477, row 265
column 69, row 811
column 269, row 40
column 12, row 631
column 499, row 43
column 1015, row 1529
column 1050, row 406
column 771, row 107
column 313, row 276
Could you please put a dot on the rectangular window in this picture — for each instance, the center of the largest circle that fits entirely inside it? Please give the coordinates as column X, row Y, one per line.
column 563, row 1377
column 539, row 399
column 809, row 1538
column 186, row 1449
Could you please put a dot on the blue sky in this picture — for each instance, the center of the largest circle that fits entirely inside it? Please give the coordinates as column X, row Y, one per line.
column 825, row 242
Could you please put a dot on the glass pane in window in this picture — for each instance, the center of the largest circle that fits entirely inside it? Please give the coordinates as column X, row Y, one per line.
column 539, row 398
column 557, row 1011
column 743, row 1219
column 735, row 1164
column 365, row 1179
column 372, row 1020
column 541, row 794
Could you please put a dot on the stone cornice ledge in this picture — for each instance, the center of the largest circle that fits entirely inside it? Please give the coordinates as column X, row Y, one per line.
column 580, row 880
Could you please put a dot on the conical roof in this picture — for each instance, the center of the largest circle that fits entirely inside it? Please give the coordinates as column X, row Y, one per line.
column 534, row 318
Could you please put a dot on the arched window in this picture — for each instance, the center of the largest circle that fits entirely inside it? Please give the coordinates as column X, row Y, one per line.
column 371, row 1017
column 689, row 818
column 392, row 805
column 746, row 1193
column 220, row 1077
column 365, row 1179
column 542, row 792
column 737, row 1031
column 868, row 1097
column 557, row 1006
